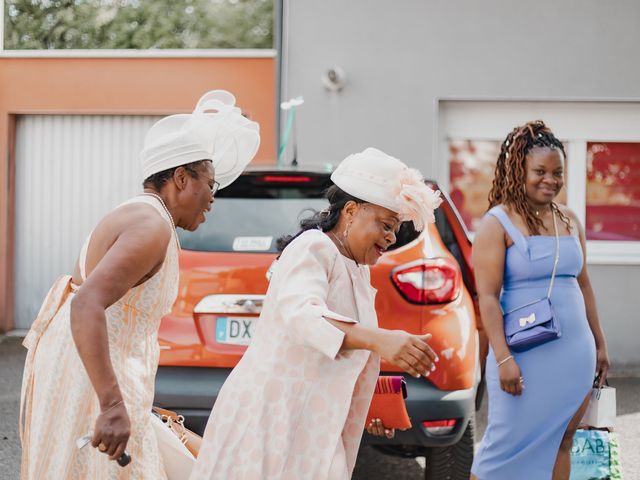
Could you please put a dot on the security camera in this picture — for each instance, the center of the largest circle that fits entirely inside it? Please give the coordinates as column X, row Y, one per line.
column 334, row 79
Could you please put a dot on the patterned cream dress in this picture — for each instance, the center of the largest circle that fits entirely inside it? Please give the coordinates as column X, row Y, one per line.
column 295, row 406
column 59, row 404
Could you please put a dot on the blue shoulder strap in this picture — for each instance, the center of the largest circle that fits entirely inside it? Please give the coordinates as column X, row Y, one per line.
column 513, row 232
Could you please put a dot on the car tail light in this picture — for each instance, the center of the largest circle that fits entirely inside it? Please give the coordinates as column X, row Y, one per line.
column 285, row 179
column 439, row 427
column 433, row 280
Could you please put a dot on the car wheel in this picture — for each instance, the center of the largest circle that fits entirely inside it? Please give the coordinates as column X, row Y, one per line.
column 454, row 462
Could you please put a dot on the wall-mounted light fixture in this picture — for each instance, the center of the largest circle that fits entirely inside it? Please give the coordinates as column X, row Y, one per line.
column 334, row 79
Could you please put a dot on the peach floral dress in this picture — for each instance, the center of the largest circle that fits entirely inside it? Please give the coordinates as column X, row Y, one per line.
column 295, row 406
column 59, row 404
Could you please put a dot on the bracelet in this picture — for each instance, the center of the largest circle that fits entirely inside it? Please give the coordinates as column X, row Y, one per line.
column 112, row 407
column 505, row 360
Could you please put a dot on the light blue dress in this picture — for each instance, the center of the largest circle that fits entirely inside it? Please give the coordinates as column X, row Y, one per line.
column 524, row 432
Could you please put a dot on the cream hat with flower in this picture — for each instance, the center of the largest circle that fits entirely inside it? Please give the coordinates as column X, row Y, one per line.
column 375, row 177
column 216, row 131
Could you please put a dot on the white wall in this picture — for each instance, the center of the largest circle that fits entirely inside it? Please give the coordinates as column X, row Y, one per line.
column 400, row 57
column 404, row 58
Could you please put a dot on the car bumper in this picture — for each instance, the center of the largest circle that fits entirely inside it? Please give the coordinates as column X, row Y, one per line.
column 192, row 391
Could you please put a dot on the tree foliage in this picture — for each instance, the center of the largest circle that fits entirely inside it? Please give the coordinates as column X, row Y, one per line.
column 139, row 24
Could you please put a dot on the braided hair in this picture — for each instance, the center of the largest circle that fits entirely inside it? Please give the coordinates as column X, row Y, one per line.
column 510, row 174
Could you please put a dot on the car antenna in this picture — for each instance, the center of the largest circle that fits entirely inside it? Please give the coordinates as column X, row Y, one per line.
column 290, row 107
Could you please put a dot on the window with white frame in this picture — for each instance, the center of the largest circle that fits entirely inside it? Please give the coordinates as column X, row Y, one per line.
column 602, row 174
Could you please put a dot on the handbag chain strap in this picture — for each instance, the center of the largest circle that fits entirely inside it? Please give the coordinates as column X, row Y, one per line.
column 555, row 263
column 171, row 419
column 171, row 423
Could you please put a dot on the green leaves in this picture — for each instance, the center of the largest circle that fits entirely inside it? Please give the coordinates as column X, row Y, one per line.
column 138, row 24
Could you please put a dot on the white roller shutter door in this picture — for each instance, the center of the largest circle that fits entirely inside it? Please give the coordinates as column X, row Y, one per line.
column 70, row 171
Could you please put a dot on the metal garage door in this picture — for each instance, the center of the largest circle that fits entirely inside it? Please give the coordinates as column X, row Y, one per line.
column 70, row 170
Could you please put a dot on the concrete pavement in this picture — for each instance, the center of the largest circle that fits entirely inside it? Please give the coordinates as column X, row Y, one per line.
column 11, row 360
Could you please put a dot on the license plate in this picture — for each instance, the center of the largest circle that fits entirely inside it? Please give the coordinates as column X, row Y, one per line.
column 256, row 244
column 234, row 330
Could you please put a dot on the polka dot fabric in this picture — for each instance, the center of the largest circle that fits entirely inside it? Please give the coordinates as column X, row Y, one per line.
column 295, row 406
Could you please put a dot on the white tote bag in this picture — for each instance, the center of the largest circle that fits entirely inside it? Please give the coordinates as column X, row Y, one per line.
column 601, row 412
column 178, row 461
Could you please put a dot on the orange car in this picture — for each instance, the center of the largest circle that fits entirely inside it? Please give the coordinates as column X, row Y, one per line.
column 424, row 282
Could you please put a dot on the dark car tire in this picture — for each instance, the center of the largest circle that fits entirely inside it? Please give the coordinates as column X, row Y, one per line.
column 454, row 462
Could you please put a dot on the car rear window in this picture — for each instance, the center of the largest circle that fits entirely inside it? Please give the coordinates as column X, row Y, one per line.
column 258, row 208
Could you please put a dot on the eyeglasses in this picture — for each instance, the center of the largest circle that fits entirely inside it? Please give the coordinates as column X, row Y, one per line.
column 215, row 187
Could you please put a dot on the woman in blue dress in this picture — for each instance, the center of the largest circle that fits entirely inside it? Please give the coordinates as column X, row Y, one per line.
column 536, row 397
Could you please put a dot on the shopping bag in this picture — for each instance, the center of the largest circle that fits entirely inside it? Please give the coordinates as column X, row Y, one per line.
column 614, row 457
column 590, row 455
column 601, row 412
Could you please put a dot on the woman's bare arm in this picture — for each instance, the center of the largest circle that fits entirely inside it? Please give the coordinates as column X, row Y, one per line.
column 137, row 250
column 489, row 252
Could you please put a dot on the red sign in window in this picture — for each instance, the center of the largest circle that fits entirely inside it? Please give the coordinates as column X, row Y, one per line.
column 471, row 168
column 613, row 191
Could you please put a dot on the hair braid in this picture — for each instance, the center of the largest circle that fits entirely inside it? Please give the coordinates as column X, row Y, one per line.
column 508, row 186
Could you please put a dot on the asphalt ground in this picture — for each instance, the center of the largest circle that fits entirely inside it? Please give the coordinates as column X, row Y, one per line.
column 371, row 464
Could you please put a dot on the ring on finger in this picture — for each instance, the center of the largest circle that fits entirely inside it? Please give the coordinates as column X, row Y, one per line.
column 102, row 447
column 521, row 380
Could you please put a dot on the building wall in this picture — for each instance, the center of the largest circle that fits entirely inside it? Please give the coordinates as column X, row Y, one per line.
column 402, row 60
column 61, row 84
column 616, row 291
column 401, row 57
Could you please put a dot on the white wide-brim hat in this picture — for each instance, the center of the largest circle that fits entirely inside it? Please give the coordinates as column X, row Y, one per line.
column 216, row 131
column 378, row 178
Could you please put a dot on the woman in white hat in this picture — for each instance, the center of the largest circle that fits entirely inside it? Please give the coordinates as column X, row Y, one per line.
column 93, row 349
column 296, row 404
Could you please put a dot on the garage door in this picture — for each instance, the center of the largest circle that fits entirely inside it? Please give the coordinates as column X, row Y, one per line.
column 70, row 170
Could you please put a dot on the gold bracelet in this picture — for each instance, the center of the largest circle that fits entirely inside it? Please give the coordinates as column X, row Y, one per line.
column 505, row 360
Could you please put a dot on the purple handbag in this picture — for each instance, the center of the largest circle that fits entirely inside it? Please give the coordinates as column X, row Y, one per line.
column 535, row 323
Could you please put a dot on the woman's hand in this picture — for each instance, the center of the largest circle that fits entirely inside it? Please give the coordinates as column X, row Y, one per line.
column 112, row 430
column 410, row 352
column 376, row 428
column 511, row 380
column 602, row 365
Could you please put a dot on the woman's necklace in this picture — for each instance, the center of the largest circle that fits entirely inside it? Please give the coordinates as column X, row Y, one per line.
column 537, row 212
column 164, row 205
column 346, row 250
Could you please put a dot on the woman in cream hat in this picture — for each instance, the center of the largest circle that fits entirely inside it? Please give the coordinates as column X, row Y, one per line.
column 295, row 405
column 93, row 349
